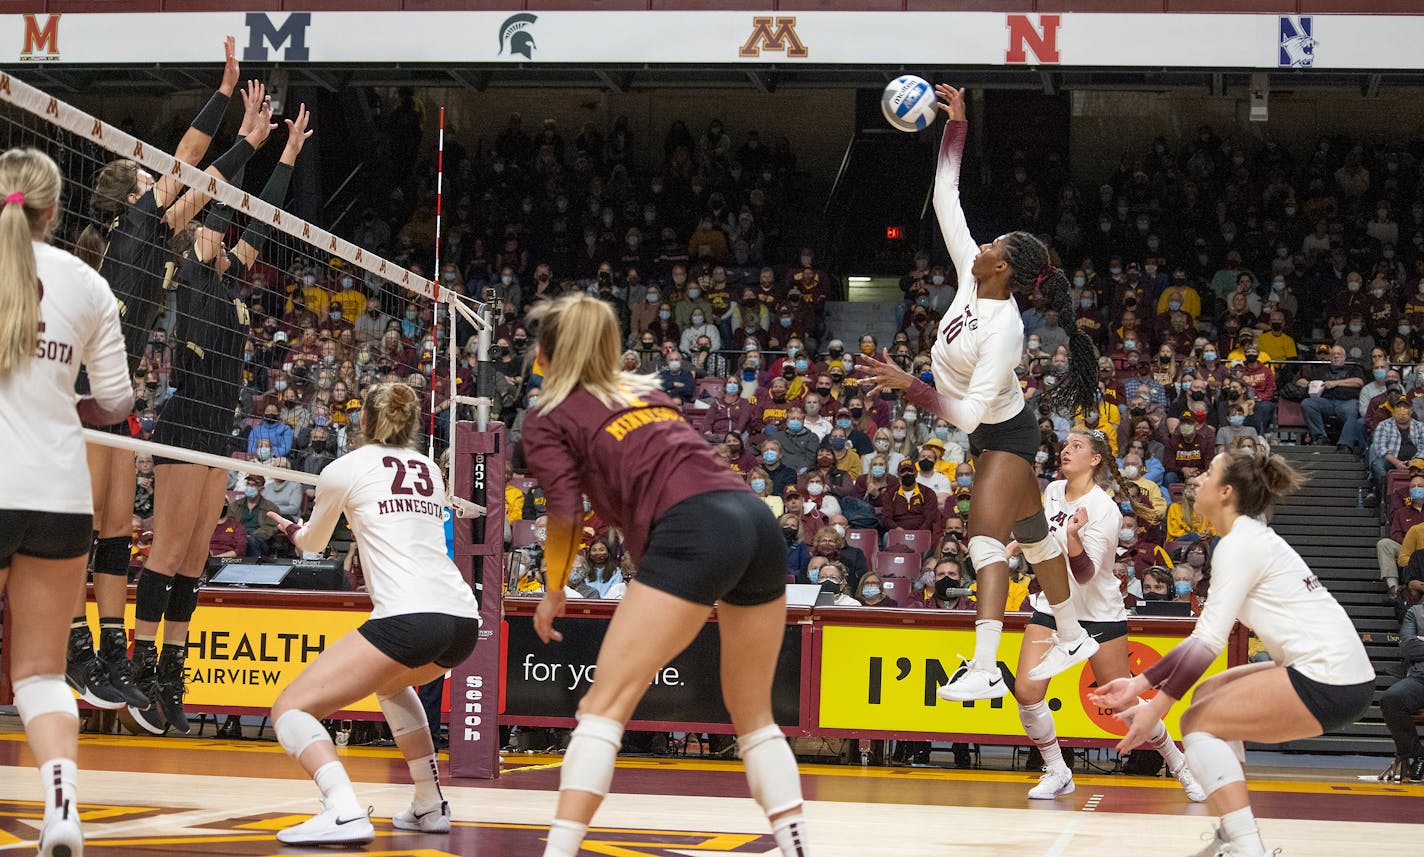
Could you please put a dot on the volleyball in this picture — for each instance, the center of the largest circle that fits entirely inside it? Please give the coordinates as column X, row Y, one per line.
column 908, row 103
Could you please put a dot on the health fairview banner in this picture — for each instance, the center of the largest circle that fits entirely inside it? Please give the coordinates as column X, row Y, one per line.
column 884, row 679
column 549, row 680
column 893, row 39
column 242, row 657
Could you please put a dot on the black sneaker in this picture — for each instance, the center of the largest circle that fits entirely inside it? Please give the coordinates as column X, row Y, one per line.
column 170, row 691
column 145, row 676
column 1416, row 770
column 121, row 678
column 84, row 673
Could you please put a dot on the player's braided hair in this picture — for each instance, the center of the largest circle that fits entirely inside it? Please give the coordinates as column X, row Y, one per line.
column 1030, row 268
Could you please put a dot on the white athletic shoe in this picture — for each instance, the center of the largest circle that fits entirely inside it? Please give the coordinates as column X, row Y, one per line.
column 329, row 828
column 1055, row 782
column 435, row 820
column 1195, row 793
column 62, row 836
column 971, row 683
column 1063, row 654
column 1219, row 846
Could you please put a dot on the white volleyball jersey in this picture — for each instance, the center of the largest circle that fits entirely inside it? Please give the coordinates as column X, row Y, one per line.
column 40, row 432
column 394, row 499
column 1260, row 580
column 980, row 341
column 1100, row 599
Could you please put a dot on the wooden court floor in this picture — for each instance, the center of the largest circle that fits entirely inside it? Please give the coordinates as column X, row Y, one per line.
column 167, row 796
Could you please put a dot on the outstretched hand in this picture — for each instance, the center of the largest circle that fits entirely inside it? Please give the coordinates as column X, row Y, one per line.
column 297, row 134
column 254, row 97
column 262, row 124
column 882, row 373
column 951, row 101
column 550, row 608
column 230, row 66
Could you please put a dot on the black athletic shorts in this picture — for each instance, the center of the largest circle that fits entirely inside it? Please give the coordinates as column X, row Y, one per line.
column 718, row 546
column 1335, row 706
column 419, row 639
column 192, row 424
column 44, row 535
column 1018, row 435
column 1100, row 631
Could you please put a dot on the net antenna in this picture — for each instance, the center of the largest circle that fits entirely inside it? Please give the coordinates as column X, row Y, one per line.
column 81, row 143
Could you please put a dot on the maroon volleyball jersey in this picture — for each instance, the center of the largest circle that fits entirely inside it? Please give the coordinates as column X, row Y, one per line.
column 634, row 462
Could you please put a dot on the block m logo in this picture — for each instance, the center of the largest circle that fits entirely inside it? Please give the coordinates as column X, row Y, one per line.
column 774, row 34
column 262, row 32
column 41, row 42
column 1042, row 40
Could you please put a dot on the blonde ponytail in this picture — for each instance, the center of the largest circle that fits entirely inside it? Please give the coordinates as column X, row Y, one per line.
column 29, row 189
column 391, row 415
column 579, row 343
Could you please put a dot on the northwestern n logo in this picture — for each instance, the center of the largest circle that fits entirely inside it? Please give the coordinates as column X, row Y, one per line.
column 774, row 34
column 41, row 42
column 261, row 32
column 1297, row 44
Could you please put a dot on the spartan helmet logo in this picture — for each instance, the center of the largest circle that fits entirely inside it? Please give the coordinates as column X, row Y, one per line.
column 514, row 34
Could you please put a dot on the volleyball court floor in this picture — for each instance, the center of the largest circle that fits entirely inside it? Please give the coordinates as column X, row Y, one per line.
column 167, row 796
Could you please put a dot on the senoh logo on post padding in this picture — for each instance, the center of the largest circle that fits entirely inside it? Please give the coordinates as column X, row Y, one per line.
column 774, row 34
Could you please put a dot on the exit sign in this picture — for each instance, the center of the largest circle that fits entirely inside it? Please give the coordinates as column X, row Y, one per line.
column 893, row 233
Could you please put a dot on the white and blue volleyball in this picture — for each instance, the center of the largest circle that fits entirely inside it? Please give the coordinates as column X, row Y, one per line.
column 908, row 103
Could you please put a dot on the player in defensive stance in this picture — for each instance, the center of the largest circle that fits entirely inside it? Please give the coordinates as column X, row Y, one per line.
column 699, row 537
column 980, row 342
column 1318, row 679
column 56, row 314
column 1084, row 520
column 425, row 619
column 134, row 218
column 207, row 380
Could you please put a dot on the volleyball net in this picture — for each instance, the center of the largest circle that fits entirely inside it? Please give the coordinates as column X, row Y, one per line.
column 312, row 322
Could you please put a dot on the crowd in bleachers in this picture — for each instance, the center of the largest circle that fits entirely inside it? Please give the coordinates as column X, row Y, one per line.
column 1237, row 292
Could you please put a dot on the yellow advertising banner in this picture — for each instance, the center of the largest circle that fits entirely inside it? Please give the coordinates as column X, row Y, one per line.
column 884, row 680
column 242, row 657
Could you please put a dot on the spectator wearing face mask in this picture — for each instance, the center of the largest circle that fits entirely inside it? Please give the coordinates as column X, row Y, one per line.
column 707, row 363
column 1396, row 442
column 876, row 483
column 728, row 413
column 1189, row 449
column 1355, row 339
column 1410, row 514
column 700, row 324
column 830, row 543
column 781, row 475
column 677, row 379
column 1157, row 584
column 832, row 576
column 815, row 497
column 798, row 553
column 1134, row 548
column 950, row 590
column 817, row 420
column 770, row 410
column 277, row 433
column 1277, row 341
column 932, row 479
column 1134, row 472
column 1383, row 379
column 1184, row 521
column 1236, row 427
column 1261, row 378
column 1184, row 587
column 760, row 483
column 798, row 443
column 1105, row 418
column 912, row 506
column 871, row 592
column 250, row 510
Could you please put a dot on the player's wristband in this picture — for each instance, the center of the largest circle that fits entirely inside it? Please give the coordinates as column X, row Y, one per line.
column 210, row 117
column 291, row 531
column 234, row 159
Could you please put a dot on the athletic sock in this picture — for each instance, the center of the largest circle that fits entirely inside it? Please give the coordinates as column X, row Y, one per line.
column 336, row 789
column 57, row 782
column 1066, row 618
column 1037, row 720
column 565, row 838
column 425, row 772
column 986, row 643
column 1239, row 828
column 1164, row 744
column 790, row 834
column 113, row 639
column 79, row 632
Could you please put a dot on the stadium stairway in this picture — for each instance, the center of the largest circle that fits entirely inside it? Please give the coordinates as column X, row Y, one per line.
column 1326, row 525
column 850, row 320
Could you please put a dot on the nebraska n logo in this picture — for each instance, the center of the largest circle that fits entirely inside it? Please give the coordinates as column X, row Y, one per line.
column 41, row 42
column 774, row 34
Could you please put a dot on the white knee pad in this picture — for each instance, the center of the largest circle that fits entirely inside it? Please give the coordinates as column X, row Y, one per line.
column 1212, row 761
column 771, row 769
column 296, row 731
column 403, row 712
column 1036, row 541
column 39, row 695
column 985, row 551
column 588, row 762
column 1037, row 720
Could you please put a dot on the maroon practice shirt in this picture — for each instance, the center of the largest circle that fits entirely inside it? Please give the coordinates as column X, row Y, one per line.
column 634, row 462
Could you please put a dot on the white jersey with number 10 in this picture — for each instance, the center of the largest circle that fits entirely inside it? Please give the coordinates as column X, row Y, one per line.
column 394, row 499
